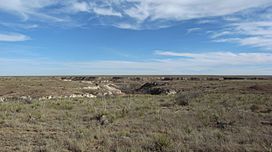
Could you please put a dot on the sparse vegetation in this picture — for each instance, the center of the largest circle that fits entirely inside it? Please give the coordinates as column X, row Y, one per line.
column 218, row 119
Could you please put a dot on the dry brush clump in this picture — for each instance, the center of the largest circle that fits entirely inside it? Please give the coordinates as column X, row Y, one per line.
column 184, row 98
column 160, row 143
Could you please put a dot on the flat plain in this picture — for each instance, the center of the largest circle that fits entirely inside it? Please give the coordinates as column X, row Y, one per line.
column 136, row 113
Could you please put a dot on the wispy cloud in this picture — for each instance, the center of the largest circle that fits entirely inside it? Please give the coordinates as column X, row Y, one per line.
column 252, row 28
column 80, row 7
column 132, row 11
column 254, row 33
column 190, row 30
column 183, row 10
column 106, row 12
column 194, row 63
column 227, row 58
column 19, row 25
column 13, row 37
column 30, row 8
column 177, row 10
column 94, row 8
column 127, row 26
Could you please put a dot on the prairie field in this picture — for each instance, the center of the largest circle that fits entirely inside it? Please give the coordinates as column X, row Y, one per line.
column 137, row 114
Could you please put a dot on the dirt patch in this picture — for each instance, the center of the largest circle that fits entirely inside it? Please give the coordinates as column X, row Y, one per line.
column 266, row 88
column 260, row 109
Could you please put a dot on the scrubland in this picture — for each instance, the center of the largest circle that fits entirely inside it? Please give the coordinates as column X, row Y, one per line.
column 199, row 116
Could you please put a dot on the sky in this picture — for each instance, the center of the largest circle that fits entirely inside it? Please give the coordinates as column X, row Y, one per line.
column 135, row 37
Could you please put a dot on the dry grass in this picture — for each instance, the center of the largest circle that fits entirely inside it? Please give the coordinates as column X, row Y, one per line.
column 212, row 122
column 217, row 120
column 37, row 87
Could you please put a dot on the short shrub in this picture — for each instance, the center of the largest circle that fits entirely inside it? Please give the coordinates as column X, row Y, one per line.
column 183, row 99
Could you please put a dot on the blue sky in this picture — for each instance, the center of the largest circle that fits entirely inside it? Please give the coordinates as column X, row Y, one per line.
column 57, row 37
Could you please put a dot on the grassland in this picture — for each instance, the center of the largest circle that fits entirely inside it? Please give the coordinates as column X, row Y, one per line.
column 204, row 116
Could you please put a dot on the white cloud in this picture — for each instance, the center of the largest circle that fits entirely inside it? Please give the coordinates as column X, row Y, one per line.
column 80, row 7
column 188, row 9
column 194, row 63
column 227, row 58
column 14, row 37
column 248, row 28
column 190, row 30
column 182, row 63
column 206, row 21
column 248, row 33
column 29, row 8
column 127, row 26
column 91, row 7
column 220, row 34
column 19, row 25
column 257, row 41
column 106, row 12
column 133, row 11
